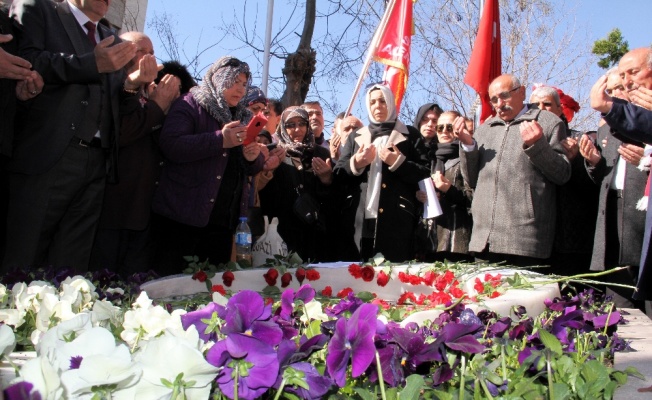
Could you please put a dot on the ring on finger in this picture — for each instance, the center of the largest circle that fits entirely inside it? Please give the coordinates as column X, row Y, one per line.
column 33, row 92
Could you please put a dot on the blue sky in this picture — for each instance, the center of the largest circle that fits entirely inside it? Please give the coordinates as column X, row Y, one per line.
column 198, row 22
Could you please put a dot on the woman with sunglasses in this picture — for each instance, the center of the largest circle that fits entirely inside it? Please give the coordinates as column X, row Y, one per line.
column 202, row 190
column 383, row 159
column 455, row 195
column 299, row 193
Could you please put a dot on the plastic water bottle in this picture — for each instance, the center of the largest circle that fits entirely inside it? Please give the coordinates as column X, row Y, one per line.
column 243, row 241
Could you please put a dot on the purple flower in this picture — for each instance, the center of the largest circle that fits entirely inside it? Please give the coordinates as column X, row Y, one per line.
column 254, row 361
column 350, row 303
column 247, row 314
column 606, row 320
column 353, row 339
column 75, row 362
column 196, row 318
column 458, row 337
column 21, row 391
column 305, row 293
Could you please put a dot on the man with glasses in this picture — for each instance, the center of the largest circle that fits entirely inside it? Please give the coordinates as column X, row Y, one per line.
column 514, row 161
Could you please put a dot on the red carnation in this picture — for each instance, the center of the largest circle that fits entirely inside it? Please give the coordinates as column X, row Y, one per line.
column 368, row 273
column 449, row 276
column 312, row 275
column 270, row 276
column 429, row 278
column 300, row 274
column 383, row 278
column 439, row 298
column 286, row 279
column 494, row 295
column 456, row 292
column 219, row 289
column 403, row 277
column 328, row 291
column 405, row 297
column 478, row 286
column 200, row 276
column 441, row 283
column 415, row 280
column 344, row 292
column 355, row 270
column 228, row 278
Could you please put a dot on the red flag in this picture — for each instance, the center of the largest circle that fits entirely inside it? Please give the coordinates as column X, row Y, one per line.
column 485, row 63
column 393, row 48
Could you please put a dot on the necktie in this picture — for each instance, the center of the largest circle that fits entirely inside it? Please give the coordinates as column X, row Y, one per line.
column 91, row 32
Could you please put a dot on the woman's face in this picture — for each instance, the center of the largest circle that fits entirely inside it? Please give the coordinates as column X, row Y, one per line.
column 445, row 129
column 428, row 125
column 235, row 93
column 378, row 105
column 296, row 128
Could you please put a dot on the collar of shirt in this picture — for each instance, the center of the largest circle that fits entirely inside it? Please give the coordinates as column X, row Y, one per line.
column 82, row 19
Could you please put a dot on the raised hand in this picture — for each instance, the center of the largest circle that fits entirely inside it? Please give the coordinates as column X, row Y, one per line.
column 145, row 73
column 441, row 182
column 233, row 133
column 111, row 59
column 642, row 97
column 589, row 151
column 389, row 154
column 571, row 148
column 600, row 100
column 364, row 156
column 631, row 153
column 461, row 132
column 531, row 131
column 166, row 92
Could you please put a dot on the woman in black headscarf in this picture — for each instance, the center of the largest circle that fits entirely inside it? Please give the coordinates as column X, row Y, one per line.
column 383, row 158
column 300, row 190
column 203, row 190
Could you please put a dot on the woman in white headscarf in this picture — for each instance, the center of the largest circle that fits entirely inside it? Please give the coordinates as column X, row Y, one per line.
column 384, row 160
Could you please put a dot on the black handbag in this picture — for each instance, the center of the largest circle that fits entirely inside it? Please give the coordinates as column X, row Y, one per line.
column 425, row 236
column 306, row 208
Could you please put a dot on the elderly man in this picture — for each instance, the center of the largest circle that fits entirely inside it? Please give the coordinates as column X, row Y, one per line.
column 123, row 242
column 635, row 69
column 68, row 140
column 612, row 163
column 577, row 199
column 514, row 161
column 316, row 115
column 341, row 130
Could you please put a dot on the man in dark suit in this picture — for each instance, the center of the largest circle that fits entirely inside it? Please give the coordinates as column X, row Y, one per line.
column 612, row 163
column 66, row 140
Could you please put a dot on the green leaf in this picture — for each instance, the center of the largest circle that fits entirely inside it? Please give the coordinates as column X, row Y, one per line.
column 378, row 259
column 632, row 371
column 314, row 328
column 271, row 291
column 550, row 341
column 413, row 386
column 365, row 296
column 365, row 394
column 562, row 391
column 391, row 393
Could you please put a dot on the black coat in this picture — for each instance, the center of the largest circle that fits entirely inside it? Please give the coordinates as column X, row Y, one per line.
column 397, row 208
column 277, row 199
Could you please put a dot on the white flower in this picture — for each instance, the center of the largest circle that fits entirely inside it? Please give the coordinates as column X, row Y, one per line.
column 143, row 324
column 166, row 357
column 105, row 313
column 40, row 373
column 4, row 296
column 101, row 363
column 52, row 309
column 219, row 299
column 79, row 291
column 143, row 301
column 313, row 311
column 7, row 340
column 13, row 317
column 65, row 331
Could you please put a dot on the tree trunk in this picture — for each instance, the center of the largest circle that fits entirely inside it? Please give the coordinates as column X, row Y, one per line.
column 300, row 65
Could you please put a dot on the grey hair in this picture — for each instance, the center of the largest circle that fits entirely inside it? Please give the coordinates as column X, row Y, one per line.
column 545, row 91
column 612, row 71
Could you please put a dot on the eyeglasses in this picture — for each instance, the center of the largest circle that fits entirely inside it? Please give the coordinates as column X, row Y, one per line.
column 292, row 125
column 449, row 128
column 503, row 96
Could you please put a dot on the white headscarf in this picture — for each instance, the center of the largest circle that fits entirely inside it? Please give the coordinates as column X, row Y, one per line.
column 389, row 98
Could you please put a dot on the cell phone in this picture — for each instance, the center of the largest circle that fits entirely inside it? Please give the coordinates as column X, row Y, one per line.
column 254, row 127
column 271, row 146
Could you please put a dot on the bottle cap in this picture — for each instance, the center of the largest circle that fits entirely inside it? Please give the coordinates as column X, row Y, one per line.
column 243, row 219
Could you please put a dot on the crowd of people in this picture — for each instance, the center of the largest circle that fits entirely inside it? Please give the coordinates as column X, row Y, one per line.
column 110, row 161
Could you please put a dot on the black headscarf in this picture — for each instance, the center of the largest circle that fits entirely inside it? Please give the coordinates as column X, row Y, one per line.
column 444, row 152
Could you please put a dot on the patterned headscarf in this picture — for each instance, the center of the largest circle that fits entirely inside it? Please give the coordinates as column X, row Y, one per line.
column 293, row 148
column 210, row 93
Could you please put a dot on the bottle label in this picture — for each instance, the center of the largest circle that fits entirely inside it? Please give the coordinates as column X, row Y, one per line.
column 243, row 238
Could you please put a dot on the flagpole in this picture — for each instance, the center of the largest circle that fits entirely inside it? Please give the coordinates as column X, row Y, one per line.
column 372, row 49
column 268, row 39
